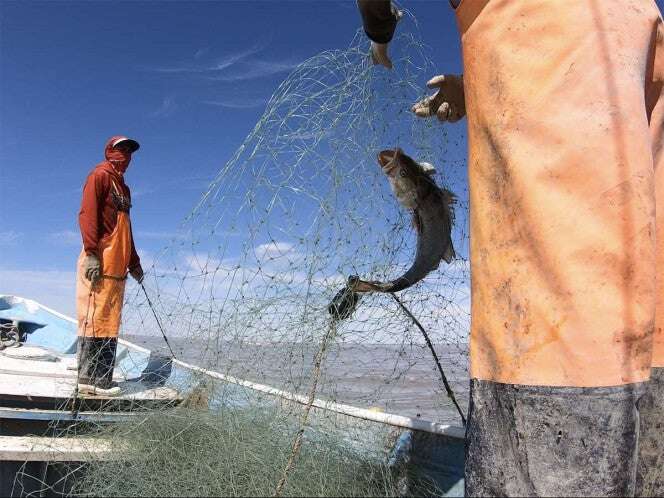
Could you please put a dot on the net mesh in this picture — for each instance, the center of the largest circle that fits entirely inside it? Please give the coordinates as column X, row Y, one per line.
column 300, row 206
column 244, row 286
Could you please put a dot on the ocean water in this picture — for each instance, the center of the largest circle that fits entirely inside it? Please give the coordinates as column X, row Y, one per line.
column 397, row 379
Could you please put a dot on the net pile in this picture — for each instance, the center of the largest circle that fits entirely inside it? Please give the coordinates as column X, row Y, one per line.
column 244, row 287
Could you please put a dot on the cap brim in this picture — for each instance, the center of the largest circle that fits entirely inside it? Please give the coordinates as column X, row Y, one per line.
column 128, row 141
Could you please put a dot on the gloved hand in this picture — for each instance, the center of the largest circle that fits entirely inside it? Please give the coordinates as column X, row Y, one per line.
column 137, row 273
column 448, row 103
column 92, row 268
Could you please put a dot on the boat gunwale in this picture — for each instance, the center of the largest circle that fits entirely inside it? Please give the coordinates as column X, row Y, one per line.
column 65, row 415
column 449, row 430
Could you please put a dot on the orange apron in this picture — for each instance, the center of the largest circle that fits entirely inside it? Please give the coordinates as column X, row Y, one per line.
column 655, row 106
column 99, row 306
column 565, row 137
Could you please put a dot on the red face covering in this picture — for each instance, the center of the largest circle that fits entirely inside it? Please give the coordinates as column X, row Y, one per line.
column 118, row 159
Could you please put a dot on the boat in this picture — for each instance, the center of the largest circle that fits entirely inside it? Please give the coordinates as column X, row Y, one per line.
column 39, row 404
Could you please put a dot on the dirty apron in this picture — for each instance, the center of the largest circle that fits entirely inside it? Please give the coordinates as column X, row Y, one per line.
column 564, row 110
column 99, row 306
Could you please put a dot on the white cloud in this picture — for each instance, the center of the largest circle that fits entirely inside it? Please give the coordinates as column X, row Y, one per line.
column 53, row 288
column 273, row 249
column 220, row 64
column 167, row 107
column 271, row 285
column 65, row 237
column 138, row 192
column 178, row 183
column 239, row 103
column 236, row 66
column 156, row 235
column 199, row 262
column 256, row 69
column 10, row 238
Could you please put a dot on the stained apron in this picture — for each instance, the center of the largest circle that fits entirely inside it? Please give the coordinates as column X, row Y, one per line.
column 565, row 123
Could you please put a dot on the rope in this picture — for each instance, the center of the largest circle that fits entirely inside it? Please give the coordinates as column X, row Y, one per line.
column 297, row 442
column 9, row 335
column 161, row 329
column 448, row 388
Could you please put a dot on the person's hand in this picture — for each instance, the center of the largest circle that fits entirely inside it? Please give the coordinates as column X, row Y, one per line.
column 448, row 103
column 137, row 273
column 92, row 268
column 379, row 55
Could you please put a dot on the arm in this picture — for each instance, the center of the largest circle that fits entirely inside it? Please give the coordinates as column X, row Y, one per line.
column 380, row 19
column 134, row 267
column 94, row 192
column 134, row 260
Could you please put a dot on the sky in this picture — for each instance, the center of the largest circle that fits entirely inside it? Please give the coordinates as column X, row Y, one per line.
column 188, row 80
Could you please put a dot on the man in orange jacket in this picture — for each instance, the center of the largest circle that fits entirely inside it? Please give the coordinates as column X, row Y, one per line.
column 566, row 164
column 107, row 257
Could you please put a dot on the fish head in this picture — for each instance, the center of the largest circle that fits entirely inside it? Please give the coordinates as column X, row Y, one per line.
column 398, row 165
column 404, row 175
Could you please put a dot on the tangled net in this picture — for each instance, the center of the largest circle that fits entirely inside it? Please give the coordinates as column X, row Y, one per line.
column 240, row 453
column 244, row 286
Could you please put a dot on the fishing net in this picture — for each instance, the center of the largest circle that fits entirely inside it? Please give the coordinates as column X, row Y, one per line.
column 243, row 291
column 244, row 287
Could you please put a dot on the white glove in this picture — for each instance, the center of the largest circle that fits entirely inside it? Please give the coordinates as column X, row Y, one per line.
column 448, row 103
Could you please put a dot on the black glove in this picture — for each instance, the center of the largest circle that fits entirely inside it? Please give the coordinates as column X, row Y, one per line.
column 137, row 273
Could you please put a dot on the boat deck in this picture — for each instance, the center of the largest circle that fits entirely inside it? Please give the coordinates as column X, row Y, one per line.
column 51, row 384
column 44, row 449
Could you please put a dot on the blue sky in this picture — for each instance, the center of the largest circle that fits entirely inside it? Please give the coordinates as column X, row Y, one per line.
column 187, row 79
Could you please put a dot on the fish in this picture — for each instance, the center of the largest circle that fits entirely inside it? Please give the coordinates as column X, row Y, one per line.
column 433, row 216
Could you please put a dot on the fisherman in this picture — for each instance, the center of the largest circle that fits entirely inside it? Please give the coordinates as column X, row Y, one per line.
column 566, row 163
column 108, row 255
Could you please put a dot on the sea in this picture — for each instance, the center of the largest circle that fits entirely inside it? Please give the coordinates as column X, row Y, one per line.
column 398, row 379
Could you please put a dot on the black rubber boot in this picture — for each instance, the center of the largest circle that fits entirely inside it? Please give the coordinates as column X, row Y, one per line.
column 96, row 360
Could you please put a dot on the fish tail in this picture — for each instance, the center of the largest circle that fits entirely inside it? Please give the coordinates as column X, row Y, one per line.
column 343, row 304
column 397, row 285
